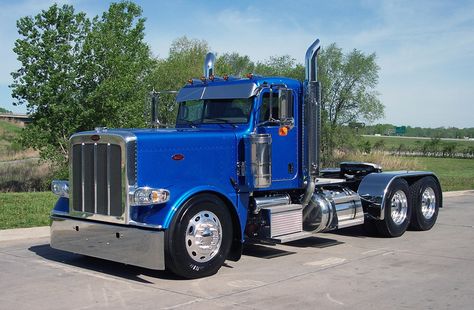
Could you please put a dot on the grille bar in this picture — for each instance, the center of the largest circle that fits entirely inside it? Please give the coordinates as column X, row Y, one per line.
column 108, row 178
column 83, row 173
column 95, row 177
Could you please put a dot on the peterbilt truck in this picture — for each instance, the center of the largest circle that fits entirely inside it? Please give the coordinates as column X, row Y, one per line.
column 241, row 165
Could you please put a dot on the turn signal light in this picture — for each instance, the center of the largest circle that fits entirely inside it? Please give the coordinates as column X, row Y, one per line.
column 190, row 81
column 283, row 131
column 144, row 196
column 225, row 77
column 249, row 75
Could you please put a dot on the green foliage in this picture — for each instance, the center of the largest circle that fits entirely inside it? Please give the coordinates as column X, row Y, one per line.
column 78, row 73
column 4, row 111
column 348, row 93
column 281, row 66
column 234, row 64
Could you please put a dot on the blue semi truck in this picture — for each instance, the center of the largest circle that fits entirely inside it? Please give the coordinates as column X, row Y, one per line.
column 241, row 165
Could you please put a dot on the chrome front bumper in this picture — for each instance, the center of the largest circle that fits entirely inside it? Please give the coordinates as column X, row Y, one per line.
column 129, row 245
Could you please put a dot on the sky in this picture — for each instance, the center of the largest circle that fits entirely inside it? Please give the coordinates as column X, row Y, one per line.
column 425, row 48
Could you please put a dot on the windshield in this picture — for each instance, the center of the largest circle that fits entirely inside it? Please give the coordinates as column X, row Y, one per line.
column 214, row 111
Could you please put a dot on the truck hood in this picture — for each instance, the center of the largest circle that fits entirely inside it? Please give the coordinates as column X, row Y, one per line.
column 168, row 157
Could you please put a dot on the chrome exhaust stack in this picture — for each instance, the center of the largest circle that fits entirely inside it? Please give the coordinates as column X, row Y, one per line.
column 312, row 120
column 209, row 62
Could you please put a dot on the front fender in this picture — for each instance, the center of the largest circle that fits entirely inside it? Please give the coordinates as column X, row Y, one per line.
column 374, row 187
column 232, row 198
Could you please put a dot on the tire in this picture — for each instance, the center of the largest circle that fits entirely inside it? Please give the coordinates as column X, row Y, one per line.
column 426, row 199
column 199, row 237
column 370, row 227
column 397, row 211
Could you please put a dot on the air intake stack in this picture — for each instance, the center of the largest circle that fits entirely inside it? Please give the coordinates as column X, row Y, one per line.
column 312, row 119
column 209, row 65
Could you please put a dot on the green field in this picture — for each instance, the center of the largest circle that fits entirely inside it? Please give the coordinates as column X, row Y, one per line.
column 455, row 174
column 25, row 209
column 393, row 143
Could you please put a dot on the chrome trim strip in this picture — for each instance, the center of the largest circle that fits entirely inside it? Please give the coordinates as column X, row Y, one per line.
column 119, row 243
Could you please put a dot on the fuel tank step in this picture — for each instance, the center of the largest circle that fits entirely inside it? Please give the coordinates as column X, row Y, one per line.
column 283, row 219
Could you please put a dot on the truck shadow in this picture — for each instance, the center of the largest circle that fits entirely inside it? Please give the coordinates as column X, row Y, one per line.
column 267, row 251
column 87, row 263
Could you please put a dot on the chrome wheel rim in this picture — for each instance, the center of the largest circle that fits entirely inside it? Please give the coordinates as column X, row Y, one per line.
column 203, row 236
column 399, row 207
column 428, row 203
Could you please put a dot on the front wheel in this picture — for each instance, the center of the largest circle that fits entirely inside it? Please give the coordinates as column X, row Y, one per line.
column 199, row 238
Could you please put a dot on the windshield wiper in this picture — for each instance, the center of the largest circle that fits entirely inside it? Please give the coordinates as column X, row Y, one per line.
column 221, row 120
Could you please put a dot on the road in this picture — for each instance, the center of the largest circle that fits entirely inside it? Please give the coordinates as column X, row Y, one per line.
column 420, row 270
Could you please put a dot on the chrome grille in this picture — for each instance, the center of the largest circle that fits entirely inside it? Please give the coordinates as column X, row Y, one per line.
column 97, row 179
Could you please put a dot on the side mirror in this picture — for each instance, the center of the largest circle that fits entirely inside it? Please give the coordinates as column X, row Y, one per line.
column 285, row 105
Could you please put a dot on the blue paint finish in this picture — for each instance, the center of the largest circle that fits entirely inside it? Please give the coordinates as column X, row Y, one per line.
column 62, row 205
column 210, row 157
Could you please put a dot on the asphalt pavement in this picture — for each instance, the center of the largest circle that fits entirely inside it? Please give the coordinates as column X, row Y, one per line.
column 345, row 269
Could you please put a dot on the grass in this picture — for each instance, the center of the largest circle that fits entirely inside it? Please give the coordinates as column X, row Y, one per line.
column 454, row 174
column 20, row 210
column 391, row 142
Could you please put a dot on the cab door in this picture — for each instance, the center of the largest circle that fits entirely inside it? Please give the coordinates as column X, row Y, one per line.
column 284, row 147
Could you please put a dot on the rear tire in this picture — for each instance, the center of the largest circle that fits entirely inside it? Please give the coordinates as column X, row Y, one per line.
column 199, row 237
column 426, row 198
column 397, row 210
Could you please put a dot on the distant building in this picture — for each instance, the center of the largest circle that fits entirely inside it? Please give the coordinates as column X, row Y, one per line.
column 16, row 118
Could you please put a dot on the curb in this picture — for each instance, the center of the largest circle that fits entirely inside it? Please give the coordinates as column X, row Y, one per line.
column 44, row 231
column 457, row 193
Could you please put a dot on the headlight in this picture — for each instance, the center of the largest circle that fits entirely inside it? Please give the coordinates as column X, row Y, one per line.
column 143, row 196
column 60, row 188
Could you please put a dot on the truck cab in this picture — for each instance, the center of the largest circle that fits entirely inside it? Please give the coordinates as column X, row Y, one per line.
column 241, row 165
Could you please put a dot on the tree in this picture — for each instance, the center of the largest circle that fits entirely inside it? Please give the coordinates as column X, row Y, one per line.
column 4, row 111
column 77, row 74
column 234, row 64
column 281, row 66
column 348, row 82
column 185, row 61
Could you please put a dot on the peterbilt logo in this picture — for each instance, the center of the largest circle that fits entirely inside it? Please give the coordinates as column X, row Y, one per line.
column 95, row 138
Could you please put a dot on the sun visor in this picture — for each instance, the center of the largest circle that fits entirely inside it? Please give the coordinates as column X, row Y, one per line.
column 232, row 91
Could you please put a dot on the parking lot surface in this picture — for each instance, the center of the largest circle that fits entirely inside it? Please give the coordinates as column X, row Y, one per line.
column 345, row 269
